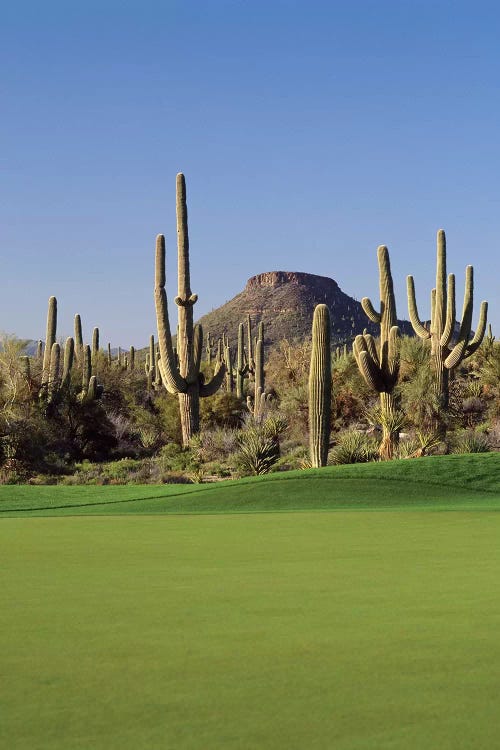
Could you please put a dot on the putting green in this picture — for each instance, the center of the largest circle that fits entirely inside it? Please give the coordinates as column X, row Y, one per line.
column 353, row 631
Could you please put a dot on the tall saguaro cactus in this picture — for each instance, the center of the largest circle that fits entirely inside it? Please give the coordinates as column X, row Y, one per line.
column 445, row 355
column 320, row 387
column 380, row 366
column 182, row 378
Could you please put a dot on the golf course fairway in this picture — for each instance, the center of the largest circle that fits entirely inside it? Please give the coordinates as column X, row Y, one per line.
column 345, row 630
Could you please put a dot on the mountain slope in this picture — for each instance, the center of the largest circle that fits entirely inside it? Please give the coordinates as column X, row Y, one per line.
column 285, row 301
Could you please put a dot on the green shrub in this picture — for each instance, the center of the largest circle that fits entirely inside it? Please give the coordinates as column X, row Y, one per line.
column 471, row 441
column 354, row 447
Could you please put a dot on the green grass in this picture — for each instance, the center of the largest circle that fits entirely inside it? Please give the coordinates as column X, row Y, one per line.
column 435, row 482
column 353, row 631
column 201, row 622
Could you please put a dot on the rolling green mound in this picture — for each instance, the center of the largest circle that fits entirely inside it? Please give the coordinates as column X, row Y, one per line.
column 435, row 482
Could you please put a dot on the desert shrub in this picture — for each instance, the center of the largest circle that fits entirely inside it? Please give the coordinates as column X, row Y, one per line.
column 420, row 443
column 353, row 447
column 221, row 410
column 214, row 444
column 470, row 441
column 257, row 452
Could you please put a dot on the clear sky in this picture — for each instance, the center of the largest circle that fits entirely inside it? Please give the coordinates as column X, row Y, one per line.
column 309, row 132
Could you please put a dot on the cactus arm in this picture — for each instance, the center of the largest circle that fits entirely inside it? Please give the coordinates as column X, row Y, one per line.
column 370, row 311
column 450, row 313
column 393, row 358
column 368, row 368
column 418, row 327
column 371, row 348
column 370, row 371
column 210, row 388
column 458, row 351
column 480, row 330
column 171, row 376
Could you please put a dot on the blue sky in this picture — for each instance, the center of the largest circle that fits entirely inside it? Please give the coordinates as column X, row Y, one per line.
column 309, row 133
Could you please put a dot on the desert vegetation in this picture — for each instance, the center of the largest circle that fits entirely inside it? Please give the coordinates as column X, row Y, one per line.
column 194, row 408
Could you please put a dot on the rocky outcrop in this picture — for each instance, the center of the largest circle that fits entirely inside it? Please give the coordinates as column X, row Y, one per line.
column 285, row 301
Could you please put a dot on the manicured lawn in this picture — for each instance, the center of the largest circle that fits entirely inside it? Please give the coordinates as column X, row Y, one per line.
column 437, row 482
column 247, row 615
column 353, row 631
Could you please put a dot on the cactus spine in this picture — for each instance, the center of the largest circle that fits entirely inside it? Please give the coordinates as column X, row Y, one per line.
column 380, row 366
column 50, row 338
column 445, row 355
column 320, row 387
column 185, row 380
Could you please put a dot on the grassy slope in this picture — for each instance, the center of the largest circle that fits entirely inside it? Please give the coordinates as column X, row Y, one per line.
column 436, row 482
column 353, row 631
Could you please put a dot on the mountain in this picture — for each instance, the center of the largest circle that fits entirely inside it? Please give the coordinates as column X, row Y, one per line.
column 285, row 301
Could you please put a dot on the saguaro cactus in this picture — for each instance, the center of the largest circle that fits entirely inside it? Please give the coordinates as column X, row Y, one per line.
column 228, row 361
column 380, row 366
column 69, row 352
column 320, row 387
column 78, row 339
column 259, row 401
column 54, row 375
column 184, row 378
column 241, row 363
column 445, row 355
column 95, row 350
column 50, row 338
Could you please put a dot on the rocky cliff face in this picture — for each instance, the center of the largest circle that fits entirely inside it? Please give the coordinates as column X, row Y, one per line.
column 285, row 301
